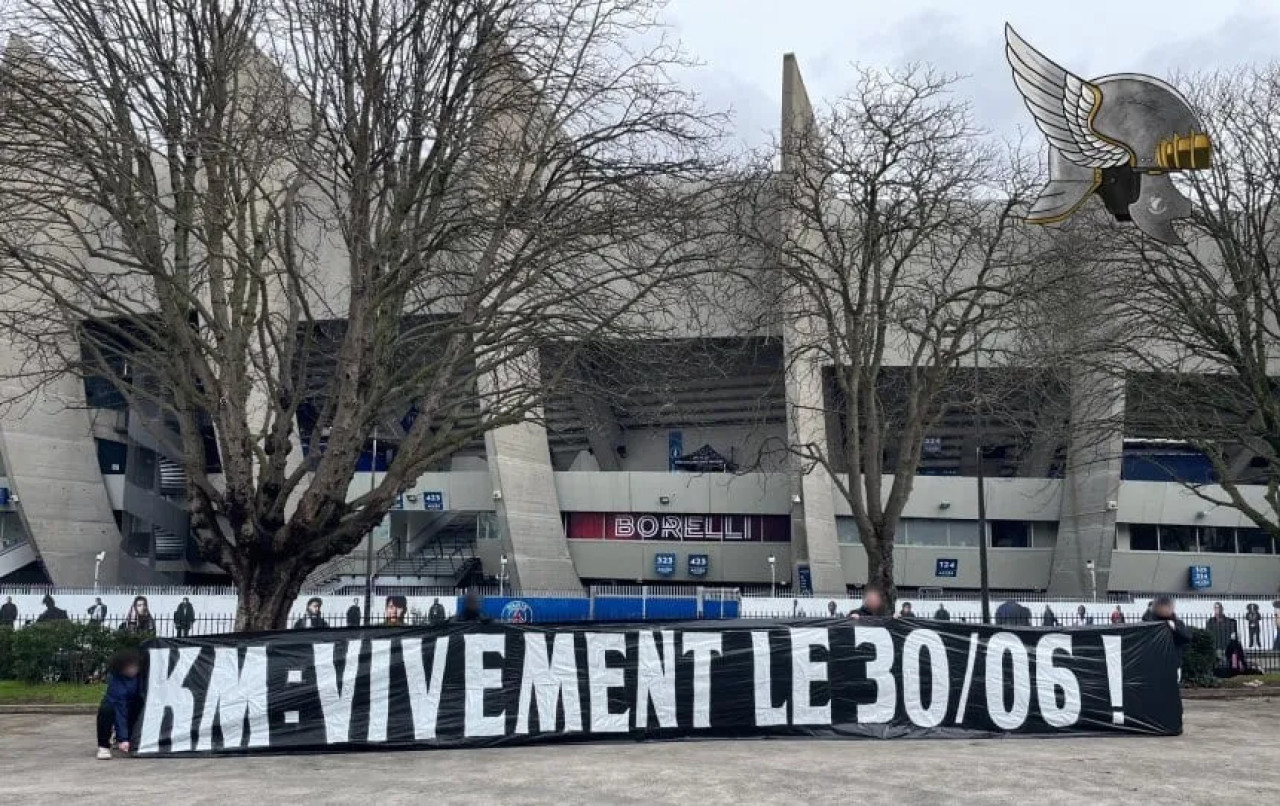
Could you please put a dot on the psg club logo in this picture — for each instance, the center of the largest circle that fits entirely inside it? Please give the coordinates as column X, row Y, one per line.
column 517, row 612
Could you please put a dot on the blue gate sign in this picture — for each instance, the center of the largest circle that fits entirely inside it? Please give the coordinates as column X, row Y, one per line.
column 805, row 578
column 1201, row 577
column 433, row 500
column 698, row 565
column 664, row 565
column 675, row 448
column 946, row 567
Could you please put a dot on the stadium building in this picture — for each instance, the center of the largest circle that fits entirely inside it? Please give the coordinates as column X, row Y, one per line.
column 678, row 473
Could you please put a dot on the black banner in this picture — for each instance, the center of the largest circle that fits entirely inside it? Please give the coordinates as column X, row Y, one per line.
column 468, row 685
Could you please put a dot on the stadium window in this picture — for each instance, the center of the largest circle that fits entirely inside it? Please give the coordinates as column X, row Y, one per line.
column 1044, row 535
column 1010, row 535
column 1255, row 541
column 964, row 533
column 1177, row 538
column 1218, row 540
column 847, row 531
column 925, row 532
column 1143, row 537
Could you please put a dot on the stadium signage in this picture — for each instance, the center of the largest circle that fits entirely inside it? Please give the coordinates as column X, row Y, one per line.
column 668, row 526
column 483, row 685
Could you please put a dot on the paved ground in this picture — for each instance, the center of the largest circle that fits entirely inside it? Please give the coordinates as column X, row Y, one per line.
column 1230, row 753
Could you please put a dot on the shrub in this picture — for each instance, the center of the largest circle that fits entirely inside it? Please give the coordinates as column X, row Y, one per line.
column 60, row 651
column 1200, row 659
column 6, row 653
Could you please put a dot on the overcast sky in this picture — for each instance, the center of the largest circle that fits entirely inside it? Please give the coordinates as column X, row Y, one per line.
column 741, row 42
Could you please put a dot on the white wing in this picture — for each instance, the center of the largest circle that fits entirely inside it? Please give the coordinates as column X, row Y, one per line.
column 1062, row 104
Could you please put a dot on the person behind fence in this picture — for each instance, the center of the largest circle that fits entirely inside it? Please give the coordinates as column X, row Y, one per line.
column 873, row 605
column 1222, row 628
column 312, row 619
column 435, row 613
column 906, row 611
column 941, row 614
column 1048, row 619
column 353, row 613
column 8, row 614
column 139, row 620
column 393, row 612
column 1012, row 614
column 121, row 704
column 1083, row 617
column 472, row 609
column 97, row 611
column 51, row 610
column 1275, row 621
column 1253, row 622
column 184, row 618
column 1117, row 616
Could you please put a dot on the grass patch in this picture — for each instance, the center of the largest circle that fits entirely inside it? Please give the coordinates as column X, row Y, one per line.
column 1252, row 680
column 14, row 692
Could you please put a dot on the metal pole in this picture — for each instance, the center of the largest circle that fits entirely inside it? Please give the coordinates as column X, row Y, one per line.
column 984, row 580
column 368, row 549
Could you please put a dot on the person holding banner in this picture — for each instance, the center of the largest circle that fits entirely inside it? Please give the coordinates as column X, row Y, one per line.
column 1162, row 610
column 873, row 605
column 121, row 704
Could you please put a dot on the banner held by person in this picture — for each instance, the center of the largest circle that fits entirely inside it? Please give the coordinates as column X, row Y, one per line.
column 480, row 685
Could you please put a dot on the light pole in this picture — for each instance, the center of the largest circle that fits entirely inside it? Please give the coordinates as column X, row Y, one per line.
column 368, row 549
column 502, row 576
column 1093, row 579
column 102, row 555
column 984, row 578
column 773, row 576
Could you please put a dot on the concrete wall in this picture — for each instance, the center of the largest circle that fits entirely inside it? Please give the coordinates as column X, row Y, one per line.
column 1169, row 571
column 712, row 493
column 632, row 560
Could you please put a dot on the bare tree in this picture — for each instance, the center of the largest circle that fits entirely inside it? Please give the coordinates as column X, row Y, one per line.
column 1200, row 325
column 275, row 226
column 895, row 257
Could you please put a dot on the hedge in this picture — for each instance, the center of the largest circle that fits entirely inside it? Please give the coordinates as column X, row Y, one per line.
column 61, row 651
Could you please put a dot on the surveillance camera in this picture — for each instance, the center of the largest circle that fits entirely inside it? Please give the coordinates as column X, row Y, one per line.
column 1088, row 564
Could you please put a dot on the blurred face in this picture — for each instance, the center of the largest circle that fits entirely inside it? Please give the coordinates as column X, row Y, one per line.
column 906, row 608
column 873, row 600
column 1163, row 610
column 472, row 603
column 129, row 670
column 313, row 608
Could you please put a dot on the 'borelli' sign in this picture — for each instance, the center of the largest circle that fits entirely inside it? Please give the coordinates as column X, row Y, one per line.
column 468, row 685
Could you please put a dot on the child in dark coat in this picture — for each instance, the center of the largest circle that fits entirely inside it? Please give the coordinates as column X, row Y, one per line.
column 121, row 704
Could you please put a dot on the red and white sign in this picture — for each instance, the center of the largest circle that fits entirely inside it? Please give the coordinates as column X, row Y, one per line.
column 683, row 528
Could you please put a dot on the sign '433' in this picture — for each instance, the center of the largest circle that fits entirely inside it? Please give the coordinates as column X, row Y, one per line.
column 1120, row 136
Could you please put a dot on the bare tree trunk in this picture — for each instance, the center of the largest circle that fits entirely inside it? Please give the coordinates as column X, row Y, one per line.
column 265, row 592
column 880, row 570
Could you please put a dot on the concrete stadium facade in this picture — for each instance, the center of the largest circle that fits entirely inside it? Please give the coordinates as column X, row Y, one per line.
column 682, row 490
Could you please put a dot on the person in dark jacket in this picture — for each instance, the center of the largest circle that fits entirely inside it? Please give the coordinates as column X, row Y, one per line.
column 312, row 619
column 1012, row 614
column 941, row 614
column 353, row 613
column 184, row 618
column 8, row 614
column 1048, row 618
column 51, row 611
column 97, row 611
column 873, row 605
column 121, row 704
column 472, row 610
column 1162, row 610
column 1222, row 629
column 435, row 613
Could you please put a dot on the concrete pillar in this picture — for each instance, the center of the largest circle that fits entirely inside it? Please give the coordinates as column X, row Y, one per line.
column 813, row 519
column 1087, row 522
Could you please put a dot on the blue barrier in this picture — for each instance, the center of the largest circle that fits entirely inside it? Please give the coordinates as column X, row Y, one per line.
column 557, row 609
